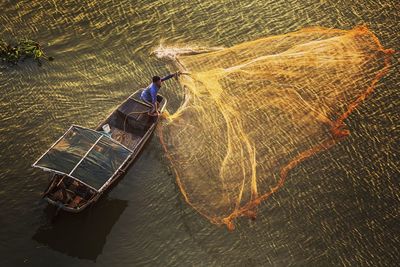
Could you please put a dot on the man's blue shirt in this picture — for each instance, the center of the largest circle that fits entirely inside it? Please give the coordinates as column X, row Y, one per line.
column 150, row 93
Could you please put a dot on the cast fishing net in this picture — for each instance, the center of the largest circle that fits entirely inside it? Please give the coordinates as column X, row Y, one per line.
column 254, row 111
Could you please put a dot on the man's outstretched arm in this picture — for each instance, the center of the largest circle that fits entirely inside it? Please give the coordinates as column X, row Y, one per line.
column 170, row 76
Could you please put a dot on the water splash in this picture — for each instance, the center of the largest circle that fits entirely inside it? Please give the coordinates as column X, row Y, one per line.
column 171, row 52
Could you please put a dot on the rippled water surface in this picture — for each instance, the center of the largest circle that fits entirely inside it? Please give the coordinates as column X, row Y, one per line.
column 340, row 208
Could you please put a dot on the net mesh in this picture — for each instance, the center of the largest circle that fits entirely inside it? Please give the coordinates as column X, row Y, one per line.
column 254, row 111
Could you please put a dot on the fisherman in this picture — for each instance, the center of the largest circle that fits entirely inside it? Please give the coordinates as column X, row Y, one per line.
column 149, row 95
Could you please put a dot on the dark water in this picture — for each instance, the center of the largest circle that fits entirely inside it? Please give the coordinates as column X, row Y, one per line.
column 340, row 208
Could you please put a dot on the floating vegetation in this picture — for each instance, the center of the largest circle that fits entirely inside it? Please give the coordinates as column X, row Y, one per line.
column 25, row 48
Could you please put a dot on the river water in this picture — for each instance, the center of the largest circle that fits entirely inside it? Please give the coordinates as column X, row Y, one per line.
column 338, row 209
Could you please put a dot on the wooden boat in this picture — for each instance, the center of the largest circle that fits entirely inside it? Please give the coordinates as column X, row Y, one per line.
column 85, row 162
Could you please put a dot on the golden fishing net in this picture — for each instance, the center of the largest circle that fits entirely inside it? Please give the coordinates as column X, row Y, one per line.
column 254, row 111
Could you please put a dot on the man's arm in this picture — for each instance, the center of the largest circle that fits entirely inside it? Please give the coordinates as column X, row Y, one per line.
column 168, row 77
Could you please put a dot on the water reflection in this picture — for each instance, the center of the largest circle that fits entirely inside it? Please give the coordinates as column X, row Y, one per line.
column 81, row 235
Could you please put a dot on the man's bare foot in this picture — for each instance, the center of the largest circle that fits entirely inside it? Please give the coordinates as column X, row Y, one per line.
column 153, row 114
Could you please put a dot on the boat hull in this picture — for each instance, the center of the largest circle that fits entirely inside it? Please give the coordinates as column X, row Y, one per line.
column 121, row 171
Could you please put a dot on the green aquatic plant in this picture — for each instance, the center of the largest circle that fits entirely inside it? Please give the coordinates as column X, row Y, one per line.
column 25, row 48
column 31, row 49
column 8, row 53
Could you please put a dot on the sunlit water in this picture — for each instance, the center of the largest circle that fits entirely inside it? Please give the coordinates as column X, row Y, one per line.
column 340, row 208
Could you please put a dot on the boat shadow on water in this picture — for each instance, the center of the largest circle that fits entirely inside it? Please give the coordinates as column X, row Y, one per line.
column 80, row 235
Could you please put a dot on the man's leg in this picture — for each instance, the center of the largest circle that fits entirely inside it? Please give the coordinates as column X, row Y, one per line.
column 153, row 107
